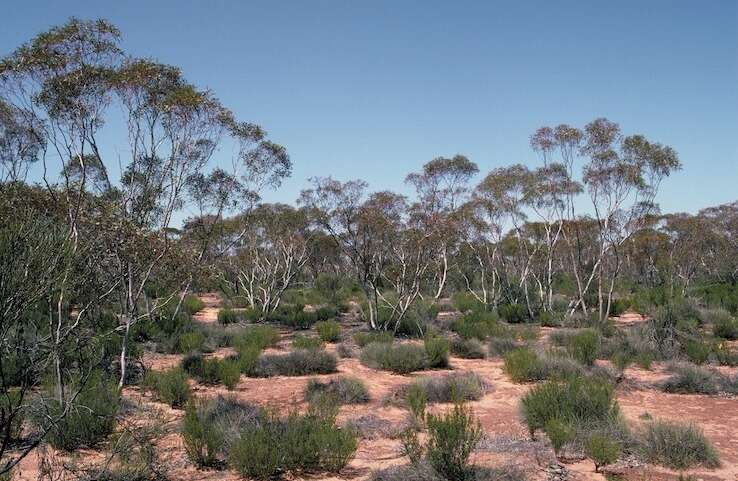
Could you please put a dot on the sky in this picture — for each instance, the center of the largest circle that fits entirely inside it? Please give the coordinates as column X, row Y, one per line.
column 375, row 89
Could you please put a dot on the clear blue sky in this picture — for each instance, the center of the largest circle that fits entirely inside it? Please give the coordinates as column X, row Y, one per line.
column 373, row 90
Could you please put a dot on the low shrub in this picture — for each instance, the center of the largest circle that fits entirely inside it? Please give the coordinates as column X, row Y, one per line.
column 90, row 418
column 191, row 342
column 499, row 346
column 364, row 338
column 468, row 348
column 559, row 434
column 192, row 304
column 584, row 346
column 329, row 331
column 228, row 417
column 480, row 325
column 697, row 351
column 726, row 328
column 260, row 336
column 307, row 442
column 451, row 388
column 436, row 351
column 203, row 441
column 212, row 371
column 344, row 351
column 345, row 390
column 228, row 316
column 512, row 313
column 424, row 472
column 301, row 362
column 466, row 302
column 305, row 342
column 416, row 399
column 229, row 372
column 400, row 359
column 452, row 437
column 688, row 379
column 602, row 450
column 523, row 365
column 170, row 386
column 678, row 446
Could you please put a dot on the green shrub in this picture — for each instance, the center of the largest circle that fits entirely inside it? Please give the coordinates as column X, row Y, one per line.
column 686, row 379
column 436, row 351
column 203, row 441
column 248, row 358
column 191, row 341
column 305, row 342
column 468, row 348
column 260, row 336
column 523, row 365
column 364, row 338
column 584, row 346
column 512, row 313
column 619, row 306
column 301, row 362
column 400, row 359
column 466, row 301
column 192, row 304
column 345, row 390
column 559, row 433
column 499, row 346
column 329, row 331
column 91, row 415
column 577, row 401
column 228, row 316
column 726, row 328
column 480, row 325
column 344, row 351
column 697, row 351
column 298, row 443
column 229, row 372
column 678, row 446
column 451, row 388
column 170, row 386
column 452, row 438
column 417, row 400
column 601, row 450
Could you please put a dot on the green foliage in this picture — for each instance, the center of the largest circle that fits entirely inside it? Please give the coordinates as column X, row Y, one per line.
column 450, row 388
column 697, row 351
column 584, row 346
column 678, row 446
column 411, row 445
column 305, row 342
column 500, row 346
column 577, row 401
column 726, row 328
column 452, row 438
column 468, row 348
column 400, row 359
column 364, row 338
column 559, row 433
column 229, row 372
column 512, row 313
column 436, row 351
column 480, row 325
column 466, row 302
column 688, row 379
column 170, row 386
column 212, row 370
column 258, row 336
column 90, row 417
column 345, row 390
column 301, row 362
column 191, row 341
column 203, row 441
column 523, row 365
column 192, row 304
column 248, row 358
column 329, row 331
column 601, row 450
column 417, row 400
column 228, row 316
column 307, row 442
column 11, row 404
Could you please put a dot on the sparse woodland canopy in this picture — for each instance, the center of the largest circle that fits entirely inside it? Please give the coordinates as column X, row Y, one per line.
column 93, row 263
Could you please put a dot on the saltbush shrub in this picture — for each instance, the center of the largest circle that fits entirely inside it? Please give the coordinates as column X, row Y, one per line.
column 400, row 359
column 203, row 441
column 306, row 342
column 90, row 418
column 499, row 346
column 726, row 328
column 228, row 316
column 436, row 351
column 512, row 313
column 259, row 336
column 468, row 348
column 584, row 346
column 689, row 379
column 451, row 387
column 678, row 446
column 329, row 331
column 364, row 338
column 697, row 351
column 345, row 390
column 170, row 386
column 523, row 365
column 480, row 325
column 192, row 341
column 301, row 362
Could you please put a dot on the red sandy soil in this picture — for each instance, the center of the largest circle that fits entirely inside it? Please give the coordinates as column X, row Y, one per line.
column 506, row 441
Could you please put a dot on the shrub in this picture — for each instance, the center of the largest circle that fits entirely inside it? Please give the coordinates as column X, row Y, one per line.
column 726, row 328
column 688, row 379
column 417, row 400
column 192, row 304
column 466, row 301
column 577, row 401
column 228, row 417
column 479, row 325
column 697, row 351
column 364, row 338
column 467, row 348
column 190, row 342
column 248, row 358
column 584, row 346
column 305, row 342
column 559, row 433
column 298, row 443
column 678, row 446
column 301, row 362
column 12, row 403
column 436, row 351
column 512, row 313
column 499, row 346
column 400, row 359
column 203, row 441
column 170, row 386
column 601, row 450
column 452, row 438
column 345, row 390
column 329, row 331
column 451, row 387
column 523, row 364
column 229, row 372
column 259, row 336
column 228, row 316
column 344, row 351
column 90, row 417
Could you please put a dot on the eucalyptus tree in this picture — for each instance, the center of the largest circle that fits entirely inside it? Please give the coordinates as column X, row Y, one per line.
column 442, row 186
